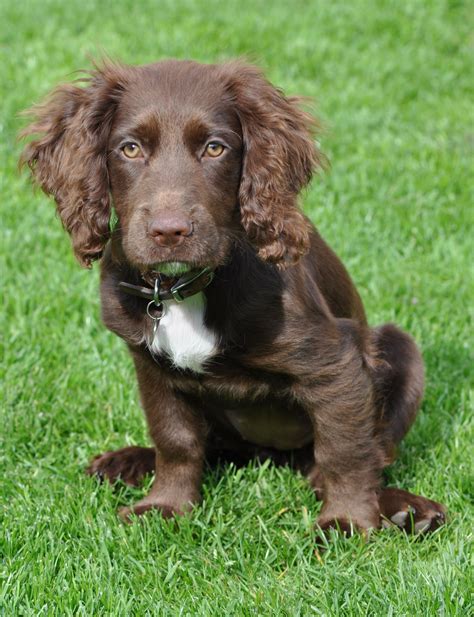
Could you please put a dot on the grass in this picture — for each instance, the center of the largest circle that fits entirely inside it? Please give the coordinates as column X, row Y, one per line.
column 393, row 83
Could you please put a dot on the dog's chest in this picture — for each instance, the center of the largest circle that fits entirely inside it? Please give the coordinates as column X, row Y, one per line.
column 183, row 336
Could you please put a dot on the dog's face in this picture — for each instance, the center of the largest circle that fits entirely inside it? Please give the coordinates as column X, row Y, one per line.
column 174, row 165
column 190, row 155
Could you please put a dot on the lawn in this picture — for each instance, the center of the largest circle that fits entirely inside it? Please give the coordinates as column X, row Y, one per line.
column 393, row 84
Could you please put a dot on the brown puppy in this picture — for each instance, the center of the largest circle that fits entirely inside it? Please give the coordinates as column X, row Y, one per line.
column 264, row 349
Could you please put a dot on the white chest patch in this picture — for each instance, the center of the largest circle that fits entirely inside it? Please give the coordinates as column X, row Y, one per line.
column 182, row 335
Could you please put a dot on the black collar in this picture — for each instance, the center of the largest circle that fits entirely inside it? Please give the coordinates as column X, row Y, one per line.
column 167, row 288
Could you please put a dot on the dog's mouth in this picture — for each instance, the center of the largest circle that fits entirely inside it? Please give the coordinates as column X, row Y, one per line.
column 172, row 268
column 180, row 279
column 169, row 271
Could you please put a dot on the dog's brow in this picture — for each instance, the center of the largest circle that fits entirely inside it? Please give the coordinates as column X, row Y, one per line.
column 226, row 131
column 145, row 127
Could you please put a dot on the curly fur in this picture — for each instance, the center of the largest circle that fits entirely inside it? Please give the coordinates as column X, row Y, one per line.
column 280, row 158
column 69, row 159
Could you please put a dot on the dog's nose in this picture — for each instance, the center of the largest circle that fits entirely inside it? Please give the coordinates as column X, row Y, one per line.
column 170, row 230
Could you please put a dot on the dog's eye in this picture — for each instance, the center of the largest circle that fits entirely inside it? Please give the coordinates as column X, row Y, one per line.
column 132, row 150
column 214, row 149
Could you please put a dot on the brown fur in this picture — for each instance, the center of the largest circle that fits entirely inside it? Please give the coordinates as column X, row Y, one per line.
column 299, row 375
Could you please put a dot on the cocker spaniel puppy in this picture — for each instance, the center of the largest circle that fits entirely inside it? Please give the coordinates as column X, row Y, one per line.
column 248, row 336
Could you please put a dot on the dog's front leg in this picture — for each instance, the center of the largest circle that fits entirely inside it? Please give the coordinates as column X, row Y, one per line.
column 178, row 432
column 348, row 456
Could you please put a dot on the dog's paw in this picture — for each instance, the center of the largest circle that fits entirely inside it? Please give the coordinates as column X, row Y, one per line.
column 342, row 525
column 128, row 513
column 129, row 465
column 360, row 522
column 411, row 513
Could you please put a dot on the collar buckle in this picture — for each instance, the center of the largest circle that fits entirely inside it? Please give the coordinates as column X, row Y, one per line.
column 185, row 281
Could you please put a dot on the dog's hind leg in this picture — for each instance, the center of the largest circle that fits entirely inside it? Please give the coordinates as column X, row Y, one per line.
column 399, row 384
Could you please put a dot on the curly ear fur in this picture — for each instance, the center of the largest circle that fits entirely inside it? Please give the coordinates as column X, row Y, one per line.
column 279, row 159
column 69, row 158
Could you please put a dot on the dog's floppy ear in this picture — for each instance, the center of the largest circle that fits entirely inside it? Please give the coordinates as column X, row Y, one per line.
column 68, row 158
column 280, row 156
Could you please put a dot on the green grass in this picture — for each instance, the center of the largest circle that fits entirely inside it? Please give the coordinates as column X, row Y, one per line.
column 393, row 83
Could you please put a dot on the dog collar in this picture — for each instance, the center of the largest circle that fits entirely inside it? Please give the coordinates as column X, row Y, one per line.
column 171, row 288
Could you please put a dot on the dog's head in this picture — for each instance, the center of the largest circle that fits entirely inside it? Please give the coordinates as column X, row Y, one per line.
column 190, row 155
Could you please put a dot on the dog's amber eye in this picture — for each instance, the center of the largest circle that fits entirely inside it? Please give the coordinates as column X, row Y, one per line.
column 132, row 150
column 214, row 149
